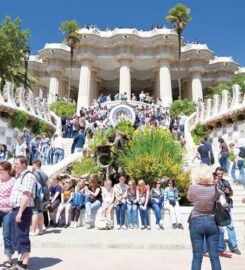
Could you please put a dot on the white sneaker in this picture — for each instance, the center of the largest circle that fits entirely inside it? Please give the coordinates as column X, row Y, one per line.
column 131, row 226
column 148, row 227
column 33, row 233
column 72, row 224
column 124, row 227
column 161, row 224
column 158, row 227
column 118, row 227
column 76, row 224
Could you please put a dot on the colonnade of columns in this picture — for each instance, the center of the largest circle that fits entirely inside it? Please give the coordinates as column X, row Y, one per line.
column 88, row 90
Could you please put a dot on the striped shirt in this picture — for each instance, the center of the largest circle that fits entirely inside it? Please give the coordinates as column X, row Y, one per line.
column 21, row 185
column 203, row 198
column 5, row 191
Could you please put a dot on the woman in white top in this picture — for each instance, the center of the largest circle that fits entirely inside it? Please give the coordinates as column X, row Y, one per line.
column 21, row 147
column 107, row 199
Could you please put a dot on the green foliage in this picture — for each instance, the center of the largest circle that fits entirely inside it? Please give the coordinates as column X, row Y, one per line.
column 198, row 133
column 99, row 138
column 179, row 16
column 63, row 107
column 152, row 154
column 40, row 127
column 217, row 90
column 12, row 51
column 19, row 119
column 69, row 29
column 126, row 127
column 184, row 106
column 85, row 166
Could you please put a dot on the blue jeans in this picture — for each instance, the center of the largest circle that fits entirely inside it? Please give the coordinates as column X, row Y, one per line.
column 44, row 154
column 58, row 155
column 5, row 221
column 89, row 206
column 144, row 216
column 132, row 212
column 232, row 241
column 221, row 241
column 205, row 160
column 240, row 166
column 34, row 155
column 204, row 227
column 120, row 213
column 20, row 240
column 223, row 160
column 157, row 207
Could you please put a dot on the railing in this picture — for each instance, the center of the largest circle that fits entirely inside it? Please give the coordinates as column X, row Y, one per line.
column 12, row 100
column 221, row 107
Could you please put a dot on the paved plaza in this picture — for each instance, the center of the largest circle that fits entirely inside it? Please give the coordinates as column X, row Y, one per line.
column 93, row 249
column 122, row 259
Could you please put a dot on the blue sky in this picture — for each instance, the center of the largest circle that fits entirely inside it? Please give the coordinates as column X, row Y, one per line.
column 218, row 23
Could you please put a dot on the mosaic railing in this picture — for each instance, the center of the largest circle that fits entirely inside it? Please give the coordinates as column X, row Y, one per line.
column 19, row 99
column 221, row 106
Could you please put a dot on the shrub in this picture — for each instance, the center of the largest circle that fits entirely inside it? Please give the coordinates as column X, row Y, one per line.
column 184, row 106
column 199, row 132
column 126, row 127
column 151, row 154
column 63, row 107
column 85, row 166
column 19, row 119
column 99, row 138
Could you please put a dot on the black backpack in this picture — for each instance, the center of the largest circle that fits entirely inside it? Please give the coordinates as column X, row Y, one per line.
column 242, row 152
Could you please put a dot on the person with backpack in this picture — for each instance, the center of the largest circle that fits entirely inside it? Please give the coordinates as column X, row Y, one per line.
column 42, row 196
column 22, row 202
column 238, row 164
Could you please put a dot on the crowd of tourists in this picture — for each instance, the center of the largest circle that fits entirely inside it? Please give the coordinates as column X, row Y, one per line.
column 28, row 199
column 231, row 158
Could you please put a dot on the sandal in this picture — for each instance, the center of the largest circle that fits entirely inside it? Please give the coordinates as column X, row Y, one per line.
column 225, row 254
column 7, row 264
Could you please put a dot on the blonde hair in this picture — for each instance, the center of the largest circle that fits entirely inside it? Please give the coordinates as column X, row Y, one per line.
column 141, row 186
column 202, row 175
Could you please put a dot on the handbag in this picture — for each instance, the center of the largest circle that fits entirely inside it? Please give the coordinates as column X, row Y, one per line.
column 221, row 215
column 172, row 202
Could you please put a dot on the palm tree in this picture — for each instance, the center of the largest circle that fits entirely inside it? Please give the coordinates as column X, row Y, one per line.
column 179, row 17
column 69, row 29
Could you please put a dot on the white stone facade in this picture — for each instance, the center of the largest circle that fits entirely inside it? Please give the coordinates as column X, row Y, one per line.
column 129, row 60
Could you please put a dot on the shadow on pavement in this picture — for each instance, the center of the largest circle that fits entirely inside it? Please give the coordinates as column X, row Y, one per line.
column 52, row 231
column 37, row 263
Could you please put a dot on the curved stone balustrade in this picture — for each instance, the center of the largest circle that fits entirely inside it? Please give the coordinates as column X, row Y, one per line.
column 18, row 100
column 221, row 108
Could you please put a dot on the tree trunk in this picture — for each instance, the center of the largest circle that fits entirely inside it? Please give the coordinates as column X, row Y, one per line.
column 70, row 72
column 179, row 57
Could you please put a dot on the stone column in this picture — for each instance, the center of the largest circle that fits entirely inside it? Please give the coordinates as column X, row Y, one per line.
column 84, row 90
column 53, row 86
column 165, row 83
column 196, row 86
column 125, row 78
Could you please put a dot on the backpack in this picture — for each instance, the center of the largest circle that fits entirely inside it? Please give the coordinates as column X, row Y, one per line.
column 38, row 198
column 103, row 224
column 242, row 152
column 45, row 190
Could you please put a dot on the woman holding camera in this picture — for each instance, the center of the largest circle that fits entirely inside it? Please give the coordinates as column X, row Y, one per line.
column 171, row 203
column 156, row 202
column 132, row 205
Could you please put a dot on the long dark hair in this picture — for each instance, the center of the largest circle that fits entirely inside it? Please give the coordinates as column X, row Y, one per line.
column 4, row 148
column 173, row 182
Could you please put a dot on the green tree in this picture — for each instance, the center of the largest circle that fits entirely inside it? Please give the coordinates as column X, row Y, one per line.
column 62, row 107
column 12, row 51
column 70, row 30
column 179, row 17
column 184, row 106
